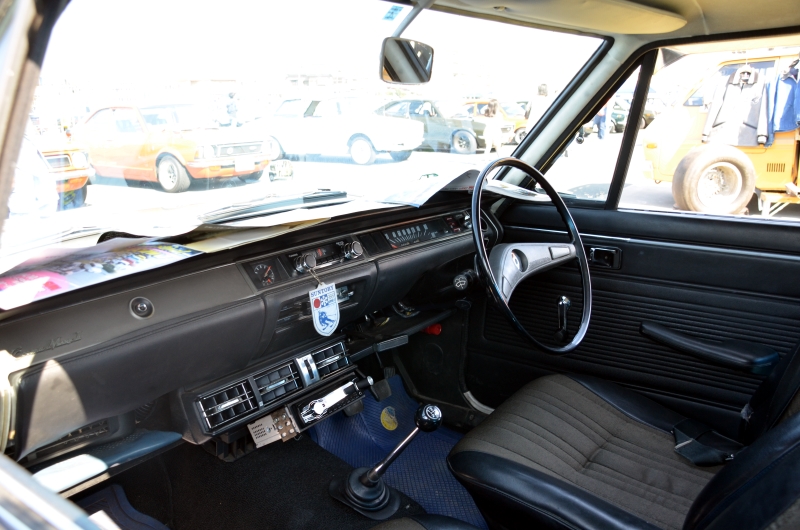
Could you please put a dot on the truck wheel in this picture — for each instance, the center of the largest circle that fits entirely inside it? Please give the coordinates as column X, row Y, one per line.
column 172, row 175
column 714, row 179
column 463, row 143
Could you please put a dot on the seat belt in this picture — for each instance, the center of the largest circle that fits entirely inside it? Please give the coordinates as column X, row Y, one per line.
column 703, row 446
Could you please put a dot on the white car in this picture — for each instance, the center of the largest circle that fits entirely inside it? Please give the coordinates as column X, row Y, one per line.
column 340, row 127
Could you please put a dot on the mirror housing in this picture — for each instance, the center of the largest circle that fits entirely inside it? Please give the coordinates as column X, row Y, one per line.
column 406, row 62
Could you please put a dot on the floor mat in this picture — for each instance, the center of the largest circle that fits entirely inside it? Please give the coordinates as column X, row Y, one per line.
column 283, row 486
column 421, row 472
column 115, row 505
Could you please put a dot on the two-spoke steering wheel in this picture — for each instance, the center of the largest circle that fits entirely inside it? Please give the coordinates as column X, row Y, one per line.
column 510, row 263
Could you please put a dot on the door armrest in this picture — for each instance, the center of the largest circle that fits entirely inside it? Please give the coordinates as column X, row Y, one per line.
column 746, row 356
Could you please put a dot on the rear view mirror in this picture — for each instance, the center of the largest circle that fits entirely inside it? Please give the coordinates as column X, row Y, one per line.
column 406, row 62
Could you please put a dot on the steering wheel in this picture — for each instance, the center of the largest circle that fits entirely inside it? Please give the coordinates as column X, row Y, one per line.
column 510, row 263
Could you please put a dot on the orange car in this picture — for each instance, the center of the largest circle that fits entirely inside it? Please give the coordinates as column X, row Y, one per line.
column 69, row 165
column 511, row 112
column 169, row 144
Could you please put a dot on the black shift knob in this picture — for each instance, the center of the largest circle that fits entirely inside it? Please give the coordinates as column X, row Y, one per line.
column 428, row 418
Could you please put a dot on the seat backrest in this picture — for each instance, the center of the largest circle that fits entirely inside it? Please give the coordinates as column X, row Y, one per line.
column 774, row 400
column 758, row 488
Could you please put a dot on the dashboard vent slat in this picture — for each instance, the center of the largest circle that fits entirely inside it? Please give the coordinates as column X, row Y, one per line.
column 227, row 405
column 330, row 359
column 277, row 382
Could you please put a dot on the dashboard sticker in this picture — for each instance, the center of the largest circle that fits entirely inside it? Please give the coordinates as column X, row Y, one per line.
column 324, row 309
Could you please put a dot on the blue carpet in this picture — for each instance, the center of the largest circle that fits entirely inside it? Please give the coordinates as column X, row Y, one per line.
column 421, row 472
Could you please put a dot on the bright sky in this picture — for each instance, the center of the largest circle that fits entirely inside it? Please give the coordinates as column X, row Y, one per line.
column 130, row 42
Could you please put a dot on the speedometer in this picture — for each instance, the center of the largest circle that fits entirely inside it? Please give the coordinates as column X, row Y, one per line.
column 404, row 236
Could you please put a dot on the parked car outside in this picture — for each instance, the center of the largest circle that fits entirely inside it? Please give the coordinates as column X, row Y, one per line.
column 34, row 191
column 338, row 127
column 169, row 144
column 446, row 126
column 68, row 163
column 511, row 112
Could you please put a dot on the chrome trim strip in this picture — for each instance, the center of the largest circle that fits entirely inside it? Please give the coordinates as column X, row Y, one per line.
column 564, row 233
column 477, row 405
column 683, row 246
column 309, row 373
column 329, row 360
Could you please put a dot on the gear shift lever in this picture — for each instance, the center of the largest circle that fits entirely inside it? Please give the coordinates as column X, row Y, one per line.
column 364, row 489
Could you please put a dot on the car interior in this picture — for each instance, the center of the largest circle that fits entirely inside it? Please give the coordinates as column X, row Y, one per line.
column 513, row 357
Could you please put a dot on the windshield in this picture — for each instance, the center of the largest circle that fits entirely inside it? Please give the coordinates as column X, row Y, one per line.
column 264, row 102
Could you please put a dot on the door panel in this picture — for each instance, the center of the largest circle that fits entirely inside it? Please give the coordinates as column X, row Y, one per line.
column 676, row 271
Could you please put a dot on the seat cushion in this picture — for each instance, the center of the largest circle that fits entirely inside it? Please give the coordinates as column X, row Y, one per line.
column 555, row 436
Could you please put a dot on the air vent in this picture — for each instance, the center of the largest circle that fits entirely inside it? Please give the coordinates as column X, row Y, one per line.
column 227, row 405
column 330, row 359
column 773, row 167
column 277, row 382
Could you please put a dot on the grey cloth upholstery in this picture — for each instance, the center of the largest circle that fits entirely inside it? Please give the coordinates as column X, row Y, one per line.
column 557, row 426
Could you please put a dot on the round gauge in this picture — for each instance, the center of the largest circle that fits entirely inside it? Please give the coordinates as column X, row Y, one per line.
column 265, row 273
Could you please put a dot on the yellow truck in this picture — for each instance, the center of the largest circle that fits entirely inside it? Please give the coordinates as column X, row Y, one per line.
column 720, row 177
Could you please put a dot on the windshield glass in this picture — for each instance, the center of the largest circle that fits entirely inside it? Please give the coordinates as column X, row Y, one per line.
column 263, row 102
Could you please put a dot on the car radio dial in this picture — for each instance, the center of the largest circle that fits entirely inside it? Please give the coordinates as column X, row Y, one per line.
column 353, row 250
column 305, row 262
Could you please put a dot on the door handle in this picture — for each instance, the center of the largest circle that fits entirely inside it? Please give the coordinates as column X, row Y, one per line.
column 604, row 257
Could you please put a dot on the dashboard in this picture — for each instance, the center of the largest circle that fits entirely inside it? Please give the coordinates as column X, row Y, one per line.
column 226, row 338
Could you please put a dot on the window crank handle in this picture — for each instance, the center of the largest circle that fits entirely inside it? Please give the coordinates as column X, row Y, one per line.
column 563, row 307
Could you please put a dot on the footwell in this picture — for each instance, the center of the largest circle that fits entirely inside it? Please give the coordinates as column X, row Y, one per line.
column 420, row 472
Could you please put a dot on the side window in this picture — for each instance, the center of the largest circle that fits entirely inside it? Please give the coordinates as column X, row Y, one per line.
column 99, row 122
column 399, row 109
column 291, row 108
column 126, row 121
column 326, row 109
column 586, row 167
column 158, row 117
column 720, row 135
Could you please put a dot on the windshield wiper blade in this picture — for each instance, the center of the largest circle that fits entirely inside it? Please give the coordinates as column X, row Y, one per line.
column 274, row 205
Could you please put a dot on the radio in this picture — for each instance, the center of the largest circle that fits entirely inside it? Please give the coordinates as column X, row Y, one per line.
column 325, row 255
column 329, row 400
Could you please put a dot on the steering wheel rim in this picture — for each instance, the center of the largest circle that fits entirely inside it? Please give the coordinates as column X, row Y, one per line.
column 483, row 259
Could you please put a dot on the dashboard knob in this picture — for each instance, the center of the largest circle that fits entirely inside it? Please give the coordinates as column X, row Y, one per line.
column 305, row 262
column 141, row 307
column 462, row 281
column 353, row 250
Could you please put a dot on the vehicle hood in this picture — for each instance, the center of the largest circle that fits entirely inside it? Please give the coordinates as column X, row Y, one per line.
column 57, row 144
column 223, row 135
